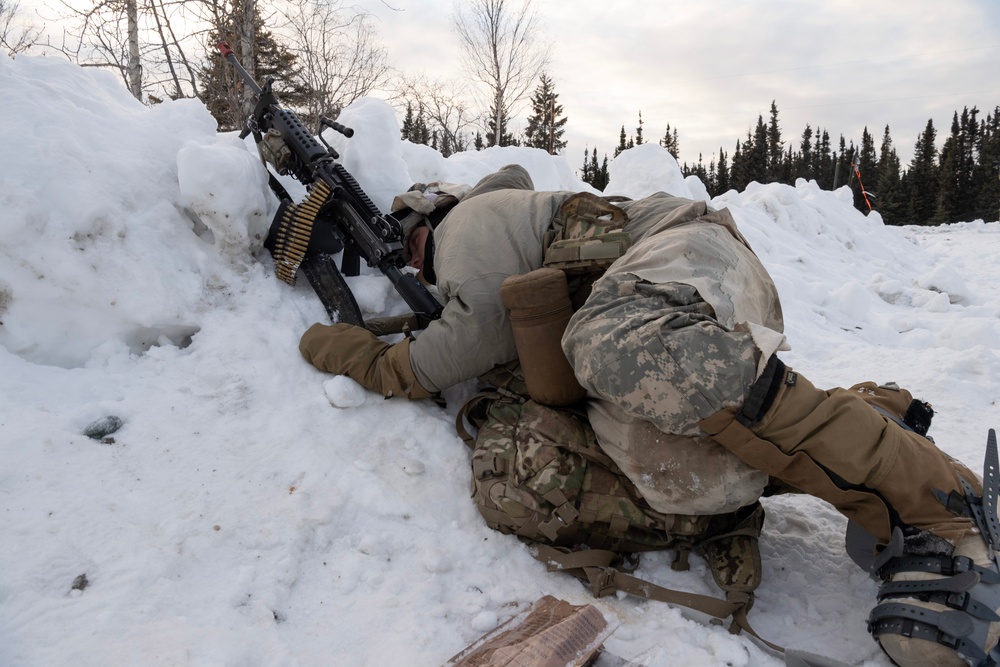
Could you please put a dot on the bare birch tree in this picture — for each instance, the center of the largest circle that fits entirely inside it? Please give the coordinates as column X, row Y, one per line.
column 339, row 57
column 502, row 50
column 137, row 39
column 133, row 68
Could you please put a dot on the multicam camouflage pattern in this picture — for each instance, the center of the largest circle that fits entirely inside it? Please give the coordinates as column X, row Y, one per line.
column 274, row 150
column 586, row 215
column 587, row 235
column 734, row 556
column 538, row 473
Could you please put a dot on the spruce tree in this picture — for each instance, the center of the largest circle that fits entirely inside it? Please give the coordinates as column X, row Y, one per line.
column 722, row 182
column 843, row 174
column 546, row 124
column 505, row 138
column 867, row 166
column 986, row 175
column 699, row 170
column 622, row 143
column 421, row 133
column 756, row 151
column 597, row 179
column 586, row 173
column 776, row 170
column 737, row 172
column 969, row 130
column 407, row 130
column 949, row 180
column 638, row 130
column 221, row 85
column 671, row 143
column 922, row 177
column 803, row 166
column 824, row 160
column 890, row 203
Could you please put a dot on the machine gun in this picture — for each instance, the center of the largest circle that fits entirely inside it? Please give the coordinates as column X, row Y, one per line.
column 335, row 216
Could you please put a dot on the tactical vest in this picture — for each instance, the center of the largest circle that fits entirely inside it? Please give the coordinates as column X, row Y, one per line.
column 586, row 237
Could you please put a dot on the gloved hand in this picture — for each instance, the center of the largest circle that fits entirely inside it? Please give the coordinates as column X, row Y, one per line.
column 346, row 349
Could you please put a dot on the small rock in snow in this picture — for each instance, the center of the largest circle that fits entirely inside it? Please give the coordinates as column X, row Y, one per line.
column 103, row 427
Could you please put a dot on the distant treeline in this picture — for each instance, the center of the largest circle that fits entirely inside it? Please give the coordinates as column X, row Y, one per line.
column 961, row 182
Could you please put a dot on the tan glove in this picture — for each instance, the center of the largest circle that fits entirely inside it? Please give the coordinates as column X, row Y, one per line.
column 346, row 349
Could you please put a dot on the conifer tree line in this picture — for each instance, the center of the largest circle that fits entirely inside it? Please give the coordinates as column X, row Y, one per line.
column 959, row 182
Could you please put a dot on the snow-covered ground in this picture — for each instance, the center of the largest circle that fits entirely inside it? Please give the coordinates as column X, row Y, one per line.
column 238, row 518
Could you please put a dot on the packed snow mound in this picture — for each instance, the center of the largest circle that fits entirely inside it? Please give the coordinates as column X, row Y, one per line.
column 122, row 224
column 646, row 169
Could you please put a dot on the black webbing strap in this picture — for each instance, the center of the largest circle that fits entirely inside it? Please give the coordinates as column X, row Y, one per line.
column 951, row 592
column 762, row 392
column 948, row 628
column 595, row 567
column 943, row 565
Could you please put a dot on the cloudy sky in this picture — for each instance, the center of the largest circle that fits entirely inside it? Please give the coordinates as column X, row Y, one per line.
column 710, row 67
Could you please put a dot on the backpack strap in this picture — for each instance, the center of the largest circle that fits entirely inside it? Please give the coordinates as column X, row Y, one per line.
column 596, row 567
column 502, row 382
column 474, row 411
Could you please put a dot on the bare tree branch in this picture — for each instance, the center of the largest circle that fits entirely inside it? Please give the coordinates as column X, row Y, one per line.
column 16, row 36
column 502, row 51
column 445, row 108
column 139, row 40
column 339, row 56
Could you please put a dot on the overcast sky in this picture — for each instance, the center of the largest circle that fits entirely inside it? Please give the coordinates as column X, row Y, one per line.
column 710, row 67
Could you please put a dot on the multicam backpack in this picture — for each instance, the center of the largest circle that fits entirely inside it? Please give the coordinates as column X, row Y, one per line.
column 538, row 473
